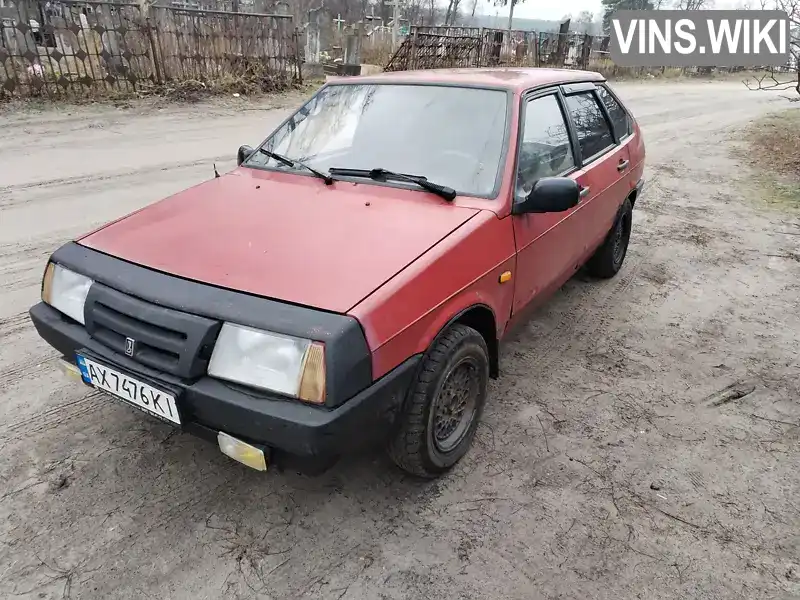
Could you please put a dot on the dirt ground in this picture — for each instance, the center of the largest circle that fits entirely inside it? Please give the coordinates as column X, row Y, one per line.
column 643, row 442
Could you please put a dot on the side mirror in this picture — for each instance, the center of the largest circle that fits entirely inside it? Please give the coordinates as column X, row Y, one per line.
column 243, row 154
column 549, row 195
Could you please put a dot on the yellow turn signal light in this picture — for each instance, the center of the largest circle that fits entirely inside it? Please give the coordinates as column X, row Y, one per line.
column 243, row 452
column 312, row 382
column 47, row 282
column 70, row 370
column 505, row 276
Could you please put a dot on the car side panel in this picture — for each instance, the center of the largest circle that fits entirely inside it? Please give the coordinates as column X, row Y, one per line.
column 610, row 177
column 635, row 147
column 636, row 151
column 402, row 317
column 609, row 188
column 548, row 249
column 548, row 244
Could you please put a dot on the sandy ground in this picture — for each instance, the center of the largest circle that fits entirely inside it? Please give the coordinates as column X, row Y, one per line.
column 612, row 462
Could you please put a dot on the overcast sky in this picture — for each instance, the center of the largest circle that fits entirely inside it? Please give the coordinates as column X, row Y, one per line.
column 540, row 9
column 555, row 9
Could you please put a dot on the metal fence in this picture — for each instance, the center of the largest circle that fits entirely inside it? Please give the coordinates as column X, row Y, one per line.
column 75, row 47
column 448, row 47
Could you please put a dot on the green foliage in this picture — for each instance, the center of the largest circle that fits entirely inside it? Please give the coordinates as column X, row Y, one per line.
column 609, row 6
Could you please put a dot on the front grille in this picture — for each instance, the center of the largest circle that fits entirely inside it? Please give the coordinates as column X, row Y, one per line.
column 163, row 338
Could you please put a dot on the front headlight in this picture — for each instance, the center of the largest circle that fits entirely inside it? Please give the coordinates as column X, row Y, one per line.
column 280, row 363
column 65, row 291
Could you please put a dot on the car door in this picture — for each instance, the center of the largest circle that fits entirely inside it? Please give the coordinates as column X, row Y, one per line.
column 622, row 126
column 546, row 248
column 603, row 163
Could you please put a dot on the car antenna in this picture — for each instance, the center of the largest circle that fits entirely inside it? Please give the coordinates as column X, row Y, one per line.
column 216, row 173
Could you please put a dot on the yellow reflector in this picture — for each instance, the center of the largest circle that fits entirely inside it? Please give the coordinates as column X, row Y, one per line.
column 505, row 276
column 70, row 370
column 242, row 451
column 312, row 385
column 47, row 282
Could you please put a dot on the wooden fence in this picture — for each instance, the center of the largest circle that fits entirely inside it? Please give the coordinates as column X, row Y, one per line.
column 81, row 47
column 448, row 47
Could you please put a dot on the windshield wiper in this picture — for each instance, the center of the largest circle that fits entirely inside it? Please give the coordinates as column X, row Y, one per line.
column 443, row 191
column 290, row 162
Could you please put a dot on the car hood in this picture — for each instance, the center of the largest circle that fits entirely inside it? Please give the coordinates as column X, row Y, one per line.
column 284, row 236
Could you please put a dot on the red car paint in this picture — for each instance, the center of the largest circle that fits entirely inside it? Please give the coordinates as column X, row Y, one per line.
column 286, row 237
column 404, row 262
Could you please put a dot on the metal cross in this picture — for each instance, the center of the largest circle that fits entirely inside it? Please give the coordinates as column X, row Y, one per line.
column 338, row 20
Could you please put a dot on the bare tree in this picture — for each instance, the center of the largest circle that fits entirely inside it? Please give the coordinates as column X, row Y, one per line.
column 474, row 6
column 451, row 15
column 431, row 13
column 413, row 11
column 431, row 6
column 789, row 78
column 693, row 4
column 584, row 22
column 609, row 6
column 511, row 4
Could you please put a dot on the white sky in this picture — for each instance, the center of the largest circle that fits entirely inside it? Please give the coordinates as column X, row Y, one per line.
column 539, row 9
column 555, row 9
column 547, row 9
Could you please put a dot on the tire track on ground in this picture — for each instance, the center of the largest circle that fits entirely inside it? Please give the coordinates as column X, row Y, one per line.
column 22, row 264
column 583, row 319
column 15, row 252
column 589, row 313
column 13, row 324
column 21, row 370
column 23, row 277
column 51, row 417
column 53, row 189
column 102, row 129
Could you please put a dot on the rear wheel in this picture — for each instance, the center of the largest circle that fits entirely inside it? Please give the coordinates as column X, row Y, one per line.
column 445, row 404
column 607, row 260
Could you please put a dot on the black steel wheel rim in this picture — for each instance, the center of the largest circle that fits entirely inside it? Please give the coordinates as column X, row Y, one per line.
column 455, row 404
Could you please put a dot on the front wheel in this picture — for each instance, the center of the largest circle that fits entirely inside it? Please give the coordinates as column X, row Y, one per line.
column 445, row 403
column 607, row 260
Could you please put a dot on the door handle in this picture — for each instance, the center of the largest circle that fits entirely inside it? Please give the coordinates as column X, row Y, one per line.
column 623, row 164
column 584, row 192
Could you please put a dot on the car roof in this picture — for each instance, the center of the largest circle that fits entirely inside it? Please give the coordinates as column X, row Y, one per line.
column 511, row 78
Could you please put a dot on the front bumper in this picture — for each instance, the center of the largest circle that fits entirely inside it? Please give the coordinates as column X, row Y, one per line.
column 208, row 405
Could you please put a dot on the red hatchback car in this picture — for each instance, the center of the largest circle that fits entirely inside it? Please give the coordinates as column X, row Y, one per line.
column 349, row 283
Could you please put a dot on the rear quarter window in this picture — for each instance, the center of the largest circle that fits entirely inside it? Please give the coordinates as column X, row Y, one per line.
column 620, row 120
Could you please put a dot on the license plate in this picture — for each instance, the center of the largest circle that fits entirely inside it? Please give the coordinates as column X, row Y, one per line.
column 143, row 396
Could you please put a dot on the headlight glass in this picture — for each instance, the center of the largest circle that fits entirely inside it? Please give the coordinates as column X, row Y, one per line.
column 269, row 361
column 66, row 291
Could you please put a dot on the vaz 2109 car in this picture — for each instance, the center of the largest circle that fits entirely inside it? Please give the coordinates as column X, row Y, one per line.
column 350, row 281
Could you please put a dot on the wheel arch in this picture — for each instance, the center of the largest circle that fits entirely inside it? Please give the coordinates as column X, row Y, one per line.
column 632, row 196
column 480, row 317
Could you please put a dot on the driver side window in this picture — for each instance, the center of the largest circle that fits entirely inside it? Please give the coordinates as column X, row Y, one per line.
column 545, row 149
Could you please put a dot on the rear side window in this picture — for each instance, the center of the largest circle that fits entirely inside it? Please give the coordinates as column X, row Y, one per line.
column 594, row 134
column 620, row 120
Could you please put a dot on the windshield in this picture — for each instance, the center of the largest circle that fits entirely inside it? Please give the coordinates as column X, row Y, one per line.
column 454, row 136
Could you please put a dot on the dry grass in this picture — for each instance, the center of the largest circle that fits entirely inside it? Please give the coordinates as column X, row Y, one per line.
column 774, row 149
column 663, row 74
column 249, row 78
column 192, row 90
column 775, row 140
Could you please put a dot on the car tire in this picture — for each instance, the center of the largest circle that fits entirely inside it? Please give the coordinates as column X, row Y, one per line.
column 444, row 404
column 608, row 258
